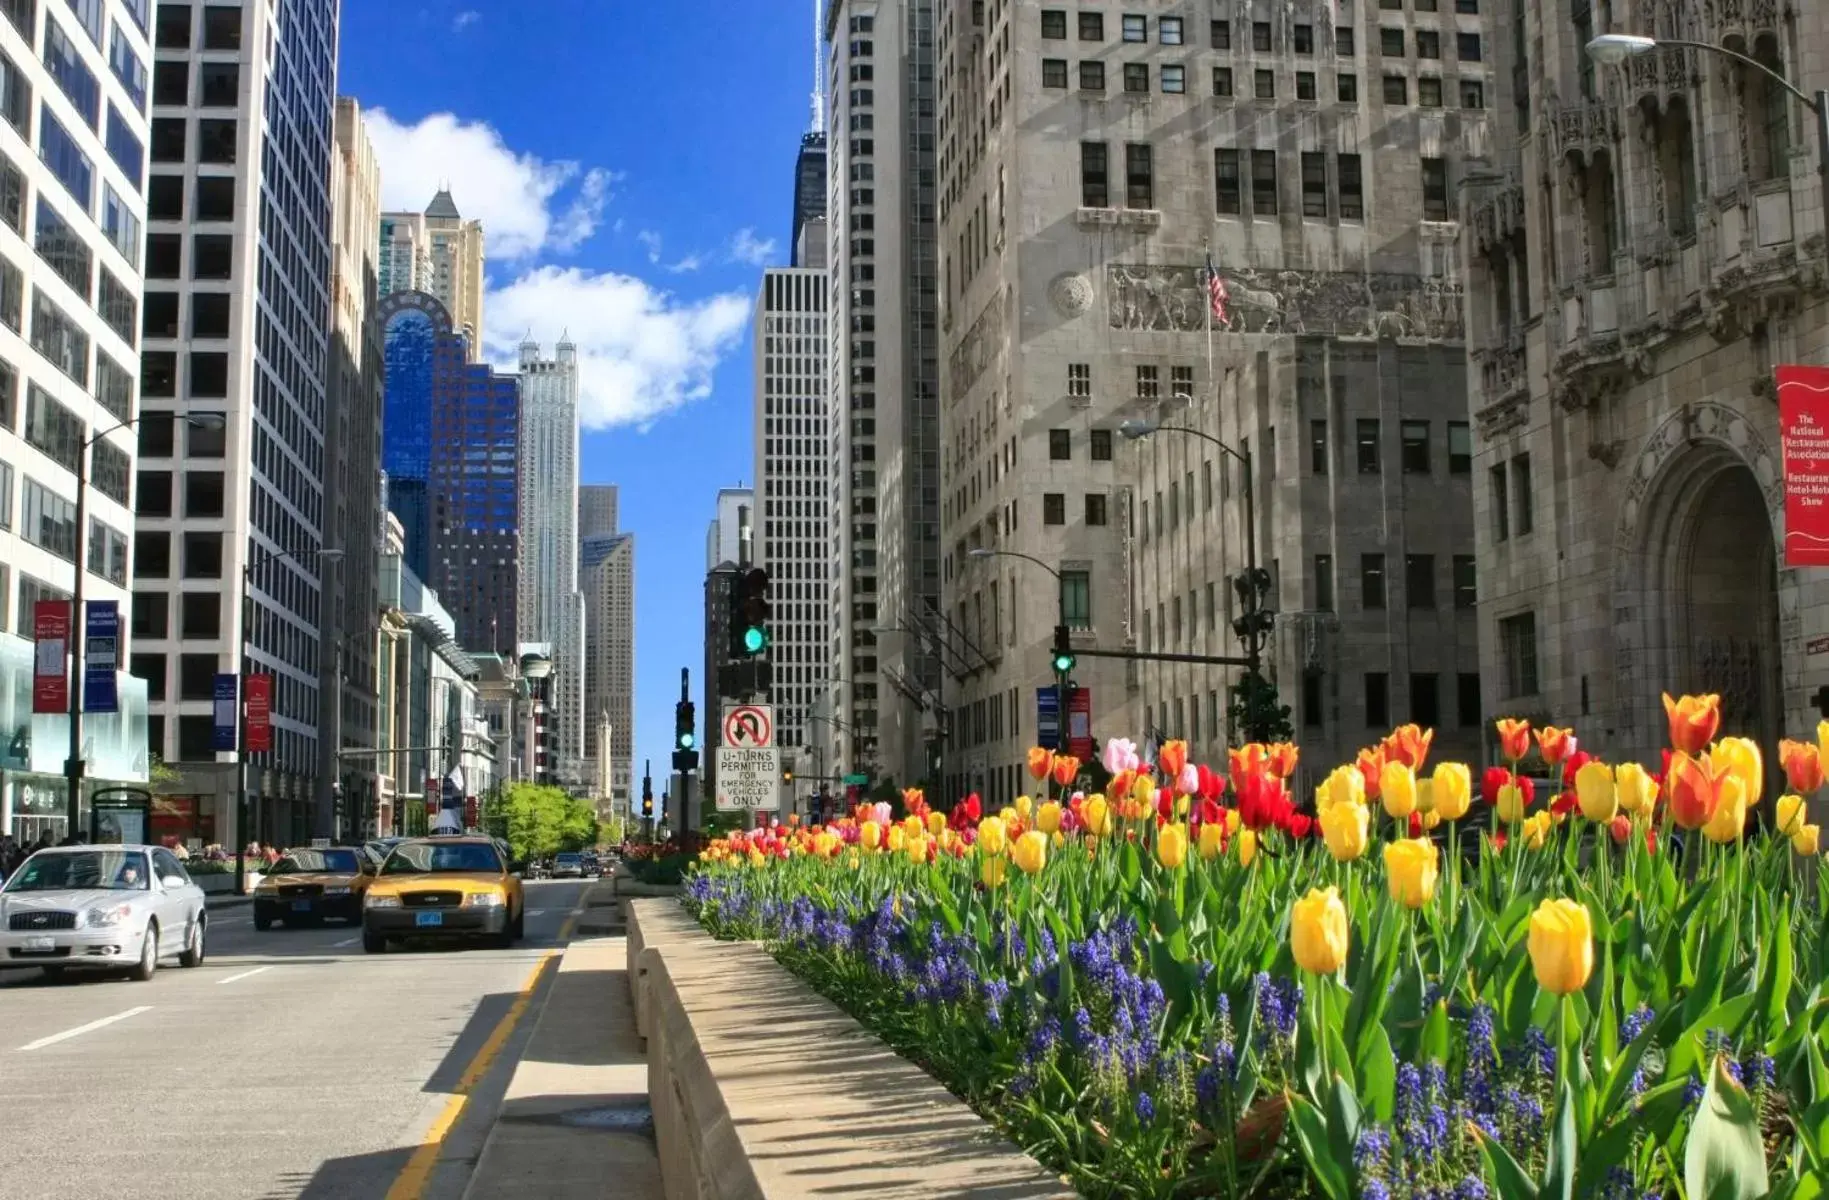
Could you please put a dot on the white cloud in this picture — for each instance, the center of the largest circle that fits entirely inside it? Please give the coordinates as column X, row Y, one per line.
column 746, row 247
column 651, row 240
column 641, row 351
column 527, row 205
column 465, row 19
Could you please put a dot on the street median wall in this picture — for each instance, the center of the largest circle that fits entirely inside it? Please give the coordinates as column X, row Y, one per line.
column 764, row 1090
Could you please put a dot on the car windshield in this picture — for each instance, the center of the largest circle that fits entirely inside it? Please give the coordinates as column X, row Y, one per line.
column 570, row 858
column 419, row 858
column 71, row 870
column 303, row 862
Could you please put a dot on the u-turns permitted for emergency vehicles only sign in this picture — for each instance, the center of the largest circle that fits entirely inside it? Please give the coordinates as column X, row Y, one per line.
column 749, row 726
column 749, row 762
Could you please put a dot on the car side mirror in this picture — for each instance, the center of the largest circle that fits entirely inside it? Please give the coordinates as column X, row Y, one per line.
column 518, row 868
column 175, row 881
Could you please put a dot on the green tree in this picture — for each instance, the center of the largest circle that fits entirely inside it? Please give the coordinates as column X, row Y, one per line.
column 1257, row 713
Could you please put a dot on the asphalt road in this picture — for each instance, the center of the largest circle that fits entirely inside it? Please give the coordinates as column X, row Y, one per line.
column 290, row 1064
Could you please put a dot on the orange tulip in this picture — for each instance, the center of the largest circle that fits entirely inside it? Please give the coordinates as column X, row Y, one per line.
column 1556, row 744
column 1173, row 756
column 1514, row 738
column 1283, row 758
column 1248, row 760
column 1409, row 745
column 1803, row 764
column 1371, row 765
column 1066, row 769
column 1040, row 762
column 1694, row 721
column 1693, row 788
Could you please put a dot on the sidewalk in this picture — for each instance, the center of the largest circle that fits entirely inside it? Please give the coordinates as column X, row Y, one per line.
column 575, row 1123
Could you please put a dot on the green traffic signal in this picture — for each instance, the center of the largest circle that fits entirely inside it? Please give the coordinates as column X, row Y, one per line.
column 755, row 639
column 1063, row 663
column 687, row 741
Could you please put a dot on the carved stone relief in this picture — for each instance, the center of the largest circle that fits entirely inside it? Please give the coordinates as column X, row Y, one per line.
column 979, row 346
column 1071, row 294
column 1174, row 299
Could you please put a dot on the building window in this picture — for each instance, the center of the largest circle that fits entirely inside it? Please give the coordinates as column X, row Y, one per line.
column 1311, row 700
column 1076, row 599
column 1419, row 580
column 1149, row 383
column 1352, row 189
column 152, row 555
column 1377, row 700
column 1467, row 700
column 119, row 309
column 1135, row 28
column 1518, row 645
column 1428, row 43
column 1314, row 183
column 1429, row 95
column 1346, row 89
column 1054, row 24
column 1263, row 85
column 1466, row 595
column 71, row 166
column 1371, row 581
column 1222, row 81
column 203, row 494
column 113, row 387
column 65, row 64
column 15, row 97
column 121, row 226
column 1305, row 85
column 127, row 68
column 151, row 610
column 168, row 142
column 1092, row 77
column 1521, row 493
column 1095, row 188
column 1226, row 184
column 171, row 83
column 1396, row 89
column 1054, row 508
column 1391, row 42
column 1367, row 441
column 1220, row 34
column 1168, row 31
column 1460, row 448
column 1206, row 484
column 221, row 27
column 1473, row 94
column 1467, row 47
column 47, row 520
column 64, row 251
column 1260, row 36
column 1344, row 46
column 1060, row 444
column 215, row 197
column 1501, row 505
column 1095, row 508
column 203, row 555
column 200, row 615
column 152, row 495
column 52, row 429
column 1324, row 583
column 88, row 14
column 1415, row 436
column 1174, row 79
column 1136, row 77
column 1092, row 27
column 1139, row 176
column 1426, row 699
column 1317, row 447
column 9, row 393
column 107, row 552
column 165, row 193
column 1435, row 189
column 1263, row 183
column 1101, row 445
column 1054, row 72
column 217, row 140
column 59, row 339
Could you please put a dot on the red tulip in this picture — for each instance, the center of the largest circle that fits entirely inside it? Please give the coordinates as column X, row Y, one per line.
column 1556, row 744
column 1694, row 721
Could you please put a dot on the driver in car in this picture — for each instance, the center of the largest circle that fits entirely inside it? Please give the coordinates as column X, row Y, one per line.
column 128, row 876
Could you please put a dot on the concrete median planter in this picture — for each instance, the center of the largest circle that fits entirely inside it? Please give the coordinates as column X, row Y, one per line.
column 762, row 1089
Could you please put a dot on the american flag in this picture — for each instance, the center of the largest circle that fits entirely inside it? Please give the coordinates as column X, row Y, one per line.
column 1217, row 294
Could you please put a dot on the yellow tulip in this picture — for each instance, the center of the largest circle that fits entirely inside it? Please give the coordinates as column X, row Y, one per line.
column 1172, row 846
column 1343, row 828
column 854, row 860
column 1008, row 814
column 1048, row 817
column 1346, row 785
column 1247, row 846
column 1097, row 814
column 1318, row 932
column 1397, row 790
column 1023, row 806
column 1058, row 838
column 1452, row 789
column 870, row 835
column 993, row 835
column 1232, row 820
column 1790, row 815
column 1510, row 803
column 1822, row 740
column 1729, row 820
column 898, row 837
column 1211, row 835
column 1805, row 841
column 1425, row 797
column 936, row 821
column 1143, row 791
column 1741, row 756
column 1561, row 946
column 1636, row 789
column 1596, row 792
column 757, row 858
column 1030, row 851
column 1410, row 868
column 918, row 849
column 825, row 844
column 1536, row 829
column 992, row 870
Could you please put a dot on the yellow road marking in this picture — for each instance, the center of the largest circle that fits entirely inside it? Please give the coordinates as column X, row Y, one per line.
column 412, row 1180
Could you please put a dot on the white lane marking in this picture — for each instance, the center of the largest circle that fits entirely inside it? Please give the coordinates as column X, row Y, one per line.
column 92, row 1026
column 344, row 942
column 536, row 912
column 243, row 975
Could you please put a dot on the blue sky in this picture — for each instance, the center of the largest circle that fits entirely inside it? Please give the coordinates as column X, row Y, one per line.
column 633, row 167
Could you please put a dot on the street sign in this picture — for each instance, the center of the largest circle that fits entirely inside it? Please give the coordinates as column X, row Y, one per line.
column 1079, row 723
column 749, row 726
column 856, row 780
column 749, row 779
column 1047, row 718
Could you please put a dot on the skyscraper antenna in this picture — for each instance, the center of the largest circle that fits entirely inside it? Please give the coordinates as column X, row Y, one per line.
column 819, row 73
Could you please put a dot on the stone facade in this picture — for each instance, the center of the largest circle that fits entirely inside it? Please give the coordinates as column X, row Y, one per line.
column 1651, row 250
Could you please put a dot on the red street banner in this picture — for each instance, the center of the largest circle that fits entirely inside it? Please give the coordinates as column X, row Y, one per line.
column 1803, row 432
column 1079, row 724
column 260, row 713
column 470, row 812
column 50, row 678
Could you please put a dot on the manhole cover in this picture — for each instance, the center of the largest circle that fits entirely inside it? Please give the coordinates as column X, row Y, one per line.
column 634, row 1118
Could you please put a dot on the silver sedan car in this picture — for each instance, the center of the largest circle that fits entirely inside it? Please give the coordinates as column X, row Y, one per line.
column 101, row 908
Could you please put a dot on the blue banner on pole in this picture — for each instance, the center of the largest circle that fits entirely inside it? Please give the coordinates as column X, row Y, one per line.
column 1047, row 718
column 222, row 734
column 102, row 656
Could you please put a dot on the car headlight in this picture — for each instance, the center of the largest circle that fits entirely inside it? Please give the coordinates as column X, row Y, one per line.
column 336, row 891
column 102, row 918
column 374, row 901
column 483, row 900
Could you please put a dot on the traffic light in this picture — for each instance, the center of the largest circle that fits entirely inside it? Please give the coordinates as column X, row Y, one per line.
column 1063, row 650
column 1257, row 610
column 647, row 795
column 684, row 735
column 755, row 611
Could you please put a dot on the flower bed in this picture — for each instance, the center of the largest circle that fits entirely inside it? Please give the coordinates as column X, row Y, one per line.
column 1190, row 985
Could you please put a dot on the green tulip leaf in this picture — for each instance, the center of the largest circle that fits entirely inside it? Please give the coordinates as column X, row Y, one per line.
column 1776, row 985
column 1376, row 1068
column 1728, row 1017
column 1650, row 1117
column 1564, row 1149
column 1507, row 1176
column 1312, row 1135
column 1724, row 1158
column 1343, row 1124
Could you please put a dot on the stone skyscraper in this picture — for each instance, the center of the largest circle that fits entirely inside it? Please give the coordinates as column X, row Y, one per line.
column 607, row 579
column 440, row 253
column 551, row 609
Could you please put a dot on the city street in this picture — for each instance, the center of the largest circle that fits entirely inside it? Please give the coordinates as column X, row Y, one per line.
column 290, row 1064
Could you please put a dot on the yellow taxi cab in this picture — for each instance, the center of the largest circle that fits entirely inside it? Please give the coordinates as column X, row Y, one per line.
column 447, row 887
column 309, row 885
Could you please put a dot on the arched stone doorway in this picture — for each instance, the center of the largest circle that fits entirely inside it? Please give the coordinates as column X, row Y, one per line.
column 1700, row 600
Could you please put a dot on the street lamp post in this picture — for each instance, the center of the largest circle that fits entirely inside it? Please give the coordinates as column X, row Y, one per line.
column 78, row 631
column 1613, row 49
column 248, row 568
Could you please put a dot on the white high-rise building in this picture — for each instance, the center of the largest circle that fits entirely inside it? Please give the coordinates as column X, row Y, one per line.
column 728, row 538
column 795, row 521
column 607, row 579
column 551, row 608
column 70, row 286
column 440, row 253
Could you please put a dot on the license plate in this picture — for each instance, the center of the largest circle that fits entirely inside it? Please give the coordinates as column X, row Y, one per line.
column 301, row 906
column 429, row 918
column 39, row 945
